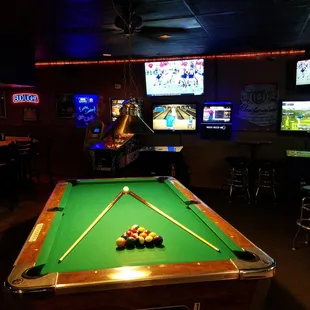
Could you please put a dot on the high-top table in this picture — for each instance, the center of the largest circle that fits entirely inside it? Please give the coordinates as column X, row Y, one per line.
column 254, row 145
column 10, row 139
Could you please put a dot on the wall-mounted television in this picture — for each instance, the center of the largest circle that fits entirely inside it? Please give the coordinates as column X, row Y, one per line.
column 174, row 117
column 116, row 104
column 303, row 72
column 217, row 112
column 175, row 78
column 86, row 109
column 295, row 116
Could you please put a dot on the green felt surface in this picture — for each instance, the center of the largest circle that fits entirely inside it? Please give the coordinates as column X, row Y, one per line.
column 295, row 153
column 84, row 202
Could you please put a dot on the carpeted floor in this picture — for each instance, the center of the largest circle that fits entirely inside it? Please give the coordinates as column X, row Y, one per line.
column 270, row 226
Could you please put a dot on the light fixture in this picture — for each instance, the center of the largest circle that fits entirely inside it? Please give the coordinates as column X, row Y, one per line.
column 107, row 55
column 254, row 55
column 165, row 36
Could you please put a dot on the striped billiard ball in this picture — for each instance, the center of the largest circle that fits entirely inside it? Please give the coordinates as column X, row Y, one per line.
column 148, row 241
column 120, row 242
column 140, row 242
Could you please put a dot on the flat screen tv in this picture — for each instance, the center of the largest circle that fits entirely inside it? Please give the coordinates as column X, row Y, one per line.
column 174, row 117
column 217, row 113
column 86, row 109
column 295, row 116
column 303, row 72
column 175, row 78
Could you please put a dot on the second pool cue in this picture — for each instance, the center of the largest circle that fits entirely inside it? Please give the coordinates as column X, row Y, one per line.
column 174, row 221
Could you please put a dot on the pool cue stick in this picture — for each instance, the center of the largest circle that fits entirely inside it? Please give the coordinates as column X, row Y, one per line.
column 91, row 226
column 174, row 221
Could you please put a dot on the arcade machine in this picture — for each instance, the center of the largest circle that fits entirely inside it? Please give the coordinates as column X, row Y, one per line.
column 94, row 133
column 119, row 146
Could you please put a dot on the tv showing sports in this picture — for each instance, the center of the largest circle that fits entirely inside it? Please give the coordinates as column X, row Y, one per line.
column 175, row 78
column 303, row 72
column 295, row 116
column 217, row 113
column 174, row 117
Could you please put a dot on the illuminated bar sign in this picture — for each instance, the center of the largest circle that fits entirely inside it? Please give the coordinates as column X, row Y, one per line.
column 26, row 98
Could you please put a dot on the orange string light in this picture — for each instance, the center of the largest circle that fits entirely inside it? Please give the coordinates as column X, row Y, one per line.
column 142, row 60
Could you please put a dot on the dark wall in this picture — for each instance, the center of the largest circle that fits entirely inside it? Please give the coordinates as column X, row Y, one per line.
column 224, row 80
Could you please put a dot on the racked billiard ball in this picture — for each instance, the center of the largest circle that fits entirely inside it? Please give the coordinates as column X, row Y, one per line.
column 130, row 242
column 140, row 241
column 147, row 231
column 148, row 241
column 125, row 236
column 158, row 240
column 135, row 236
column 129, row 232
column 135, row 226
column 133, row 230
column 143, row 235
column 152, row 234
column 120, row 242
column 141, row 229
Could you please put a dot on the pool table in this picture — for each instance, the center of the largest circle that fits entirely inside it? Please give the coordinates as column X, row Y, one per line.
column 182, row 273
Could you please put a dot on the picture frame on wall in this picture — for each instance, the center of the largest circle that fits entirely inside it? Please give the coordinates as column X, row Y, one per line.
column 30, row 114
column 2, row 105
column 65, row 105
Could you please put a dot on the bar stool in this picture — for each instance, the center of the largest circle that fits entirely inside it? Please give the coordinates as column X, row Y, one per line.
column 238, row 177
column 304, row 220
column 266, row 178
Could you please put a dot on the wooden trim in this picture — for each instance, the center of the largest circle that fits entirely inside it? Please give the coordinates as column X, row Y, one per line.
column 31, row 249
column 227, row 228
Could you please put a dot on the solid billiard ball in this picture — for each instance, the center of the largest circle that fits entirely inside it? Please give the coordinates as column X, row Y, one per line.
column 152, row 234
column 125, row 236
column 135, row 227
column 129, row 233
column 120, row 242
column 158, row 240
column 126, row 189
column 143, row 235
column 139, row 241
column 148, row 241
column 133, row 230
column 130, row 243
column 141, row 229
column 147, row 231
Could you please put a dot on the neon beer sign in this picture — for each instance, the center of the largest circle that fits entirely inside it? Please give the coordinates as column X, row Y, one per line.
column 25, row 98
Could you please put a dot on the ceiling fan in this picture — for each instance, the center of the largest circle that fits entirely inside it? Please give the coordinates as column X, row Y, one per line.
column 128, row 22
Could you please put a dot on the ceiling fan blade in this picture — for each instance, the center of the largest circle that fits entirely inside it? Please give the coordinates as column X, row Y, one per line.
column 161, row 30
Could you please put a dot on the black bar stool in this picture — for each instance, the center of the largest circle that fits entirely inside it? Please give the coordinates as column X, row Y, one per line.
column 266, row 177
column 238, row 177
column 304, row 220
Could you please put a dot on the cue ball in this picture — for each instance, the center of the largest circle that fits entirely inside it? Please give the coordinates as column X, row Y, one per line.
column 126, row 189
